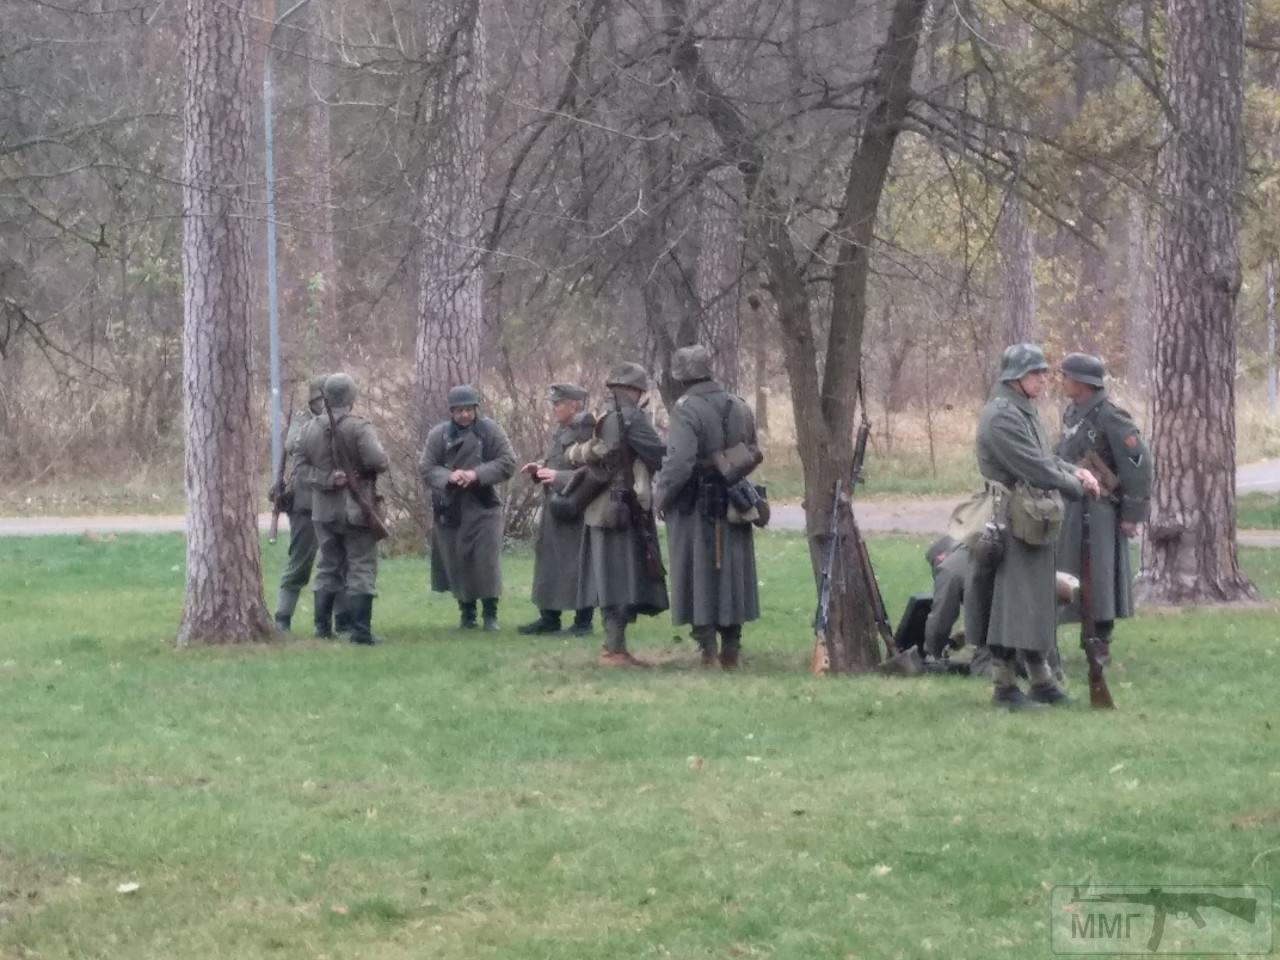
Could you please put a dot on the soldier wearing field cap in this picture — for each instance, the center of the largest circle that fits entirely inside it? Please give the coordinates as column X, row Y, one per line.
column 463, row 461
column 1028, row 482
column 1103, row 437
column 555, row 556
column 714, row 586
column 348, row 557
column 620, row 562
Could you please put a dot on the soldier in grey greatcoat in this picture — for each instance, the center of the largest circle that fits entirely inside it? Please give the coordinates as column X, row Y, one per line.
column 1015, row 458
column 555, row 553
column 348, row 550
column 463, row 461
column 619, row 563
column 1094, row 423
column 714, row 586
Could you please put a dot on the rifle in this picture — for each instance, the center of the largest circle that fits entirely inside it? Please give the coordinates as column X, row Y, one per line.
column 1099, row 692
column 641, row 519
column 905, row 662
column 277, row 498
column 1181, row 904
column 358, row 490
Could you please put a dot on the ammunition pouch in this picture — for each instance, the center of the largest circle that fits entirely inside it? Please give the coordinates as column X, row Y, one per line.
column 585, row 485
column 617, row 511
column 735, row 463
column 988, row 548
column 446, row 509
column 713, row 499
column 686, row 500
column 1035, row 514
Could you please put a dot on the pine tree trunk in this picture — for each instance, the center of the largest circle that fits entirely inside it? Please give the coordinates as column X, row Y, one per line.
column 1190, row 553
column 719, row 265
column 1014, row 241
column 320, row 260
column 224, row 565
column 1141, row 307
column 451, row 217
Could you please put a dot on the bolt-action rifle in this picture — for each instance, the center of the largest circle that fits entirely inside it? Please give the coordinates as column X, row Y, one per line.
column 1099, row 692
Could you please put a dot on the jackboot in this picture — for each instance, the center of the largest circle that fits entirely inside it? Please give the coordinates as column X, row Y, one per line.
column 1043, row 688
column 286, row 603
column 615, row 653
column 548, row 622
column 705, row 638
column 324, row 615
column 730, row 646
column 361, row 612
column 1005, row 691
column 582, row 626
column 490, row 605
column 467, row 615
column 343, row 621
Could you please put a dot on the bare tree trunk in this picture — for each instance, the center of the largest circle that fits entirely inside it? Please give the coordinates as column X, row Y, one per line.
column 320, row 261
column 1016, row 246
column 1141, row 313
column 451, row 215
column 719, row 286
column 824, row 406
column 224, row 565
column 761, row 373
column 1190, row 554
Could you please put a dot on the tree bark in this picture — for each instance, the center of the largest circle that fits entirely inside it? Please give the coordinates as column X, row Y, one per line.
column 1190, row 554
column 224, row 601
column 1141, row 305
column 719, row 287
column 1016, row 246
column 451, row 215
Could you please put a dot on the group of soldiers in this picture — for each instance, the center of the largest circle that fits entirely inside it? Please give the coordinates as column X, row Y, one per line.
column 1036, row 496
column 606, row 477
column 603, row 477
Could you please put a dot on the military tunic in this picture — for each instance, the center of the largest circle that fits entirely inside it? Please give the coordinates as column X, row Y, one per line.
column 555, row 557
column 1102, row 426
column 701, row 595
column 466, row 538
column 612, row 571
column 348, row 554
column 1012, row 446
column 303, row 544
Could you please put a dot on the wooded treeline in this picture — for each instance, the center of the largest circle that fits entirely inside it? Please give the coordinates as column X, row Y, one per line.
column 511, row 193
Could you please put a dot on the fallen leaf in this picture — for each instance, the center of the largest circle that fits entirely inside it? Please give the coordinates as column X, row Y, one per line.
column 881, row 870
column 128, row 887
column 696, row 763
column 1117, row 768
column 339, row 909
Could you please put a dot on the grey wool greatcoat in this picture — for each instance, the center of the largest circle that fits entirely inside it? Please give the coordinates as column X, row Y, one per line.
column 466, row 536
column 555, row 553
column 1102, row 426
column 701, row 595
column 611, row 562
column 1012, row 447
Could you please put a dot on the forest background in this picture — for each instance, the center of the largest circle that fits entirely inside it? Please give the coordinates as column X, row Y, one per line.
column 527, row 191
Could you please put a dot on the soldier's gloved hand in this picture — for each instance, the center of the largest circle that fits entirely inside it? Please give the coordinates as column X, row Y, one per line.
column 1128, row 528
column 337, row 479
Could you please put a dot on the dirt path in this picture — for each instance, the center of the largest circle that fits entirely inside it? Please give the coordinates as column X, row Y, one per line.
column 920, row 517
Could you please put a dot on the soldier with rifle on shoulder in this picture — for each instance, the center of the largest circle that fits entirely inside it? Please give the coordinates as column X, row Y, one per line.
column 339, row 455
column 1101, row 436
column 619, row 560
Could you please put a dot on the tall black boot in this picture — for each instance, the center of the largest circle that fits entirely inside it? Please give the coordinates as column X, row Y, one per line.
column 361, row 608
column 730, row 646
column 467, row 614
column 343, row 620
column 324, row 615
column 490, row 605
column 548, row 622
column 582, row 622
column 705, row 637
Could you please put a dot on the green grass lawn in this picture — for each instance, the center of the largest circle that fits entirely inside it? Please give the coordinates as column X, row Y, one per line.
column 1258, row 511
column 478, row 796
